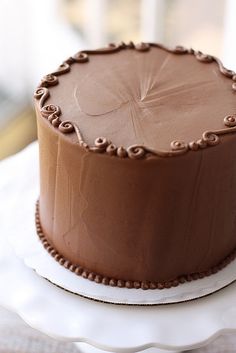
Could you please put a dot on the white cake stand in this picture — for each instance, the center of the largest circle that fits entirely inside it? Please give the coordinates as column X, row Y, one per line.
column 97, row 327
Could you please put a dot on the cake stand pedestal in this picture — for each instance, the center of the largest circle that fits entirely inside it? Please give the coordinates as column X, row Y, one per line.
column 96, row 327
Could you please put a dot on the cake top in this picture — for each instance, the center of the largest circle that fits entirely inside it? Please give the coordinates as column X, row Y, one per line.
column 140, row 100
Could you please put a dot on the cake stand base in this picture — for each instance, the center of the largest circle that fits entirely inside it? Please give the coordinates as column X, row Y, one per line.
column 85, row 348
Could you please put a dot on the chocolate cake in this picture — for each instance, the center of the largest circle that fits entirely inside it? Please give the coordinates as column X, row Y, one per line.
column 137, row 165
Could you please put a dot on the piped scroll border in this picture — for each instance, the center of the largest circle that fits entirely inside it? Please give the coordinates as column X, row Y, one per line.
column 103, row 145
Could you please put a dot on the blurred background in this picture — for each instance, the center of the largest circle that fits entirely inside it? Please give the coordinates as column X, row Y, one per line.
column 36, row 36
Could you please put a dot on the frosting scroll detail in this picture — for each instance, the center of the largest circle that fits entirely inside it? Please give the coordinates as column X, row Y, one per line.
column 210, row 138
column 81, row 57
column 111, row 149
column 42, row 95
column 101, row 143
column 203, row 57
column 51, row 113
column 66, row 127
column 121, row 152
column 179, row 49
column 136, row 152
column 52, row 79
column 62, row 69
column 142, row 47
column 230, row 120
column 49, row 80
column 49, row 110
column 178, row 146
column 223, row 70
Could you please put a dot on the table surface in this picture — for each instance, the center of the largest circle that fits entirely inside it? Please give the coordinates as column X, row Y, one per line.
column 15, row 336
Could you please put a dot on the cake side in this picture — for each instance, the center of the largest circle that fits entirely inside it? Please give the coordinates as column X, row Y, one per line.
column 139, row 218
column 140, row 221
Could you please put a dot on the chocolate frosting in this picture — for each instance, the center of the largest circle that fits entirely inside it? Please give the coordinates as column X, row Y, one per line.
column 153, row 110
column 139, row 217
column 96, row 277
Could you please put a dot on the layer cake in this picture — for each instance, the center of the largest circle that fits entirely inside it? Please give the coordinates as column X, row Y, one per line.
column 137, row 165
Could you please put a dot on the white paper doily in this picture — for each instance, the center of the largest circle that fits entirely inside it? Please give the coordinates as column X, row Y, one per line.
column 28, row 247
